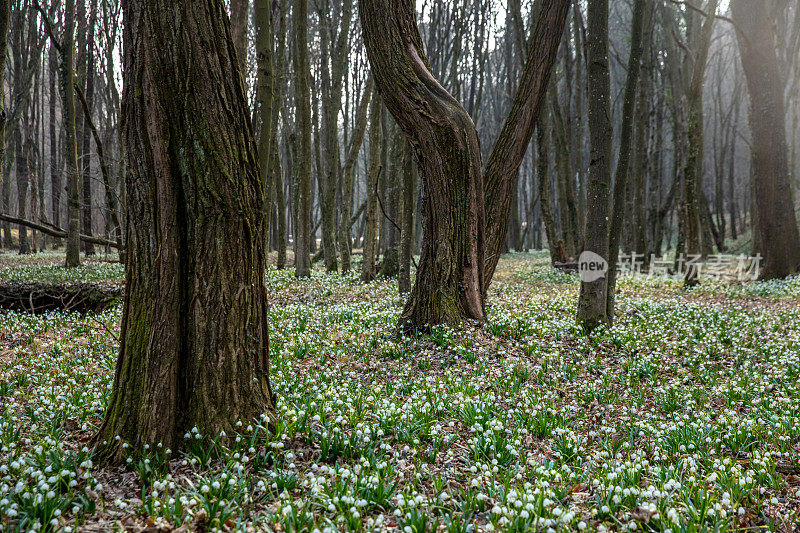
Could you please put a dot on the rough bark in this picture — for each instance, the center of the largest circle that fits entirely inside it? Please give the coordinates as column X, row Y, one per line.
column 592, row 300
column 449, row 285
column 194, row 345
column 777, row 223
column 500, row 176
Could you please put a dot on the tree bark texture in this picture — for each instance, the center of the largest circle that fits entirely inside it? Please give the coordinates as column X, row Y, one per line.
column 194, row 346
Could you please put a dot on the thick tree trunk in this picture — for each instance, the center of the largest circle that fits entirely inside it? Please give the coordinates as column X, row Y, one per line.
column 303, row 105
column 592, row 300
column 777, row 223
column 194, row 347
column 503, row 164
column 450, row 280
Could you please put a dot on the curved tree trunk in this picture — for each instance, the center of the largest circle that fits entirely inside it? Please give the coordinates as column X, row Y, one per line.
column 777, row 223
column 449, row 284
column 194, row 346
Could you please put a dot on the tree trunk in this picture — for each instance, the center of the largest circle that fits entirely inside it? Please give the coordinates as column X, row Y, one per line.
column 503, row 164
column 194, row 346
column 240, row 22
column 592, row 300
column 777, row 223
column 642, row 13
column 357, row 139
column 303, row 104
column 693, row 171
column 56, row 165
column 371, row 209
column 543, row 171
column 450, row 280
column 265, row 96
column 407, row 231
column 67, row 86
column 86, row 159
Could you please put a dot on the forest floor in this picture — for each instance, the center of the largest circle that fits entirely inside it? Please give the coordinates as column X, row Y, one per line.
column 684, row 416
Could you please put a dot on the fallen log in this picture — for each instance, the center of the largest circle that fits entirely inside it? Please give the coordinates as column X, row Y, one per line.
column 566, row 267
column 35, row 297
column 55, row 231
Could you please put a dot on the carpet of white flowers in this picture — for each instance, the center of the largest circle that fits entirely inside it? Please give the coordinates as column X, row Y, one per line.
column 684, row 416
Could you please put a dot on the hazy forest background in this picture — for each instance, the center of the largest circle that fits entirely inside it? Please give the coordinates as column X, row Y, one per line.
column 367, row 265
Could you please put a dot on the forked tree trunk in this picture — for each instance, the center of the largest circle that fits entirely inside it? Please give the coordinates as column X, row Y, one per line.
column 449, row 284
column 777, row 223
column 194, row 346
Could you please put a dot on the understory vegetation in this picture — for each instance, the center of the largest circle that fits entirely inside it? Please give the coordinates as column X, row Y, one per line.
column 683, row 416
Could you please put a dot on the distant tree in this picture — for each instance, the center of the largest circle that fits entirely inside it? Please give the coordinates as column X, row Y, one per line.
column 302, row 72
column 777, row 223
column 194, row 345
